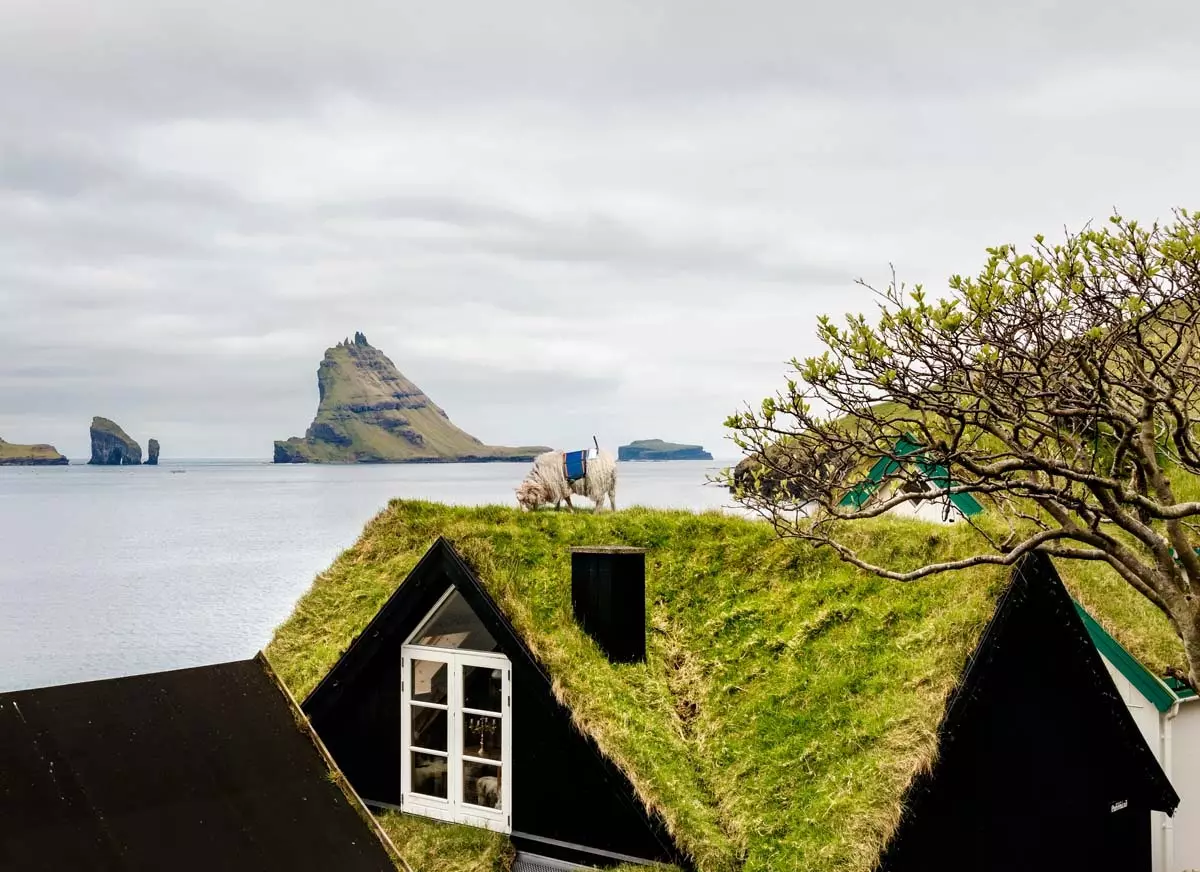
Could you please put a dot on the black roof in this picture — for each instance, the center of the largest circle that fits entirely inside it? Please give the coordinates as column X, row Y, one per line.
column 194, row 769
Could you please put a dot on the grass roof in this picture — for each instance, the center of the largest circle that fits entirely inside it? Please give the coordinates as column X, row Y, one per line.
column 787, row 698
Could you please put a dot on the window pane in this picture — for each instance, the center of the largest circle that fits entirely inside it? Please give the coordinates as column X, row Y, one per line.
column 429, row 774
column 429, row 728
column 455, row 625
column 430, row 681
column 482, row 688
column 481, row 784
column 482, row 736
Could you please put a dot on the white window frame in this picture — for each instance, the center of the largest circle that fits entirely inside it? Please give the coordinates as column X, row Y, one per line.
column 453, row 808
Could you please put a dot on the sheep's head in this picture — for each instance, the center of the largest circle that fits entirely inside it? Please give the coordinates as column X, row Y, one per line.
column 531, row 494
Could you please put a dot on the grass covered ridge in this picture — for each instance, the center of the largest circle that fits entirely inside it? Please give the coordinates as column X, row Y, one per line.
column 41, row 453
column 787, row 698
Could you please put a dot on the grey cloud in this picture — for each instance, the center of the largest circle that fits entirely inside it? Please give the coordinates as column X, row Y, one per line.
column 599, row 239
column 587, row 238
column 558, row 218
column 222, row 54
column 510, row 407
column 56, row 170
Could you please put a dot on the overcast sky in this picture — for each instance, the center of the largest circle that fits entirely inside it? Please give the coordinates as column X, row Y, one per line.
column 559, row 219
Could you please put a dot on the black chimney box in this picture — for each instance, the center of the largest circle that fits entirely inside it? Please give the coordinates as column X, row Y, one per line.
column 608, row 595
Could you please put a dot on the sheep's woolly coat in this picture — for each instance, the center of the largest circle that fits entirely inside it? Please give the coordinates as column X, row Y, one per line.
column 547, row 482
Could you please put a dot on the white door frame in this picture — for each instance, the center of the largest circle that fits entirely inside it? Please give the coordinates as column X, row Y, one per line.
column 453, row 808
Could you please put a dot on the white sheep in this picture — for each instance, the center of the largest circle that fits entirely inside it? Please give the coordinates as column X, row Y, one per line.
column 547, row 482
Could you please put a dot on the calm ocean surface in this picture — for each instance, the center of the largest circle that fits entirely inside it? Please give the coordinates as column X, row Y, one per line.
column 108, row 571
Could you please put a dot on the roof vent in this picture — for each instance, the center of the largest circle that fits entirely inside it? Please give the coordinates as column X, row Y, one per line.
column 608, row 595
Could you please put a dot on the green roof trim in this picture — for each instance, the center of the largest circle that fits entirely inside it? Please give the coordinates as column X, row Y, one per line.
column 1150, row 686
column 936, row 473
column 1178, row 687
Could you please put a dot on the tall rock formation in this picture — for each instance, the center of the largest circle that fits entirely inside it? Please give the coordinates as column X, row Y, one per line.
column 152, row 453
column 370, row 413
column 111, row 446
column 30, row 455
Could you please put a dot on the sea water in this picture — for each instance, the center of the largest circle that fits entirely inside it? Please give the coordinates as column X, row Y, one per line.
column 108, row 571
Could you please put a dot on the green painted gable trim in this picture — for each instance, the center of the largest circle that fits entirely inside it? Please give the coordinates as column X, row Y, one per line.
column 1148, row 685
column 1179, row 688
column 885, row 466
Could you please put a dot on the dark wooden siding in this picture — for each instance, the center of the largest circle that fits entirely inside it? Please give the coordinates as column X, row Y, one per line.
column 363, row 732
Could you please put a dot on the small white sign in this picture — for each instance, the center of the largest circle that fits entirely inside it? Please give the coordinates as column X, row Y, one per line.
column 1117, row 806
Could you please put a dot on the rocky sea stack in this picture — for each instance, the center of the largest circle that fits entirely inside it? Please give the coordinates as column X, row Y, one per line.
column 30, row 455
column 656, row 449
column 152, row 453
column 370, row 413
column 111, row 446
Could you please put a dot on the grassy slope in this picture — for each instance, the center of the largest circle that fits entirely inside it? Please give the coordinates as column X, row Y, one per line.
column 348, row 384
column 433, row 846
column 787, row 699
column 9, row 451
column 428, row 845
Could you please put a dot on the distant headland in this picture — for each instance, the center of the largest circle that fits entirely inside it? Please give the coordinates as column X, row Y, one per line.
column 657, row 449
column 370, row 413
column 30, row 455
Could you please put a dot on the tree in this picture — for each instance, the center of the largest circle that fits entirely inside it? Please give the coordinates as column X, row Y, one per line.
column 1061, row 387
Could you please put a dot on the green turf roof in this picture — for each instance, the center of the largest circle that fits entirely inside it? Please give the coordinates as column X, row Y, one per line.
column 787, row 699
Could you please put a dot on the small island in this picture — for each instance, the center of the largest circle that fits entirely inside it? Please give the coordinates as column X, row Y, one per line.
column 30, row 455
column 368, row 412
column 657, row 449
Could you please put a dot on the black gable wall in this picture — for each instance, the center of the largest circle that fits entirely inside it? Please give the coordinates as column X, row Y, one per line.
column 1040, row 768
column 362, row 732
column 566, row 794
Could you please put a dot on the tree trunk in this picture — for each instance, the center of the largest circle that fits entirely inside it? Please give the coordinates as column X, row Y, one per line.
column 1189, row 631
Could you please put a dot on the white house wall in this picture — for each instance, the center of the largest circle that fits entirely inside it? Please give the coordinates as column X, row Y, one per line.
column 1149, row 722
column 1144, row 713
column 1185, row 776
column 928, row 510
column 940, row 510
column 1175, row 841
